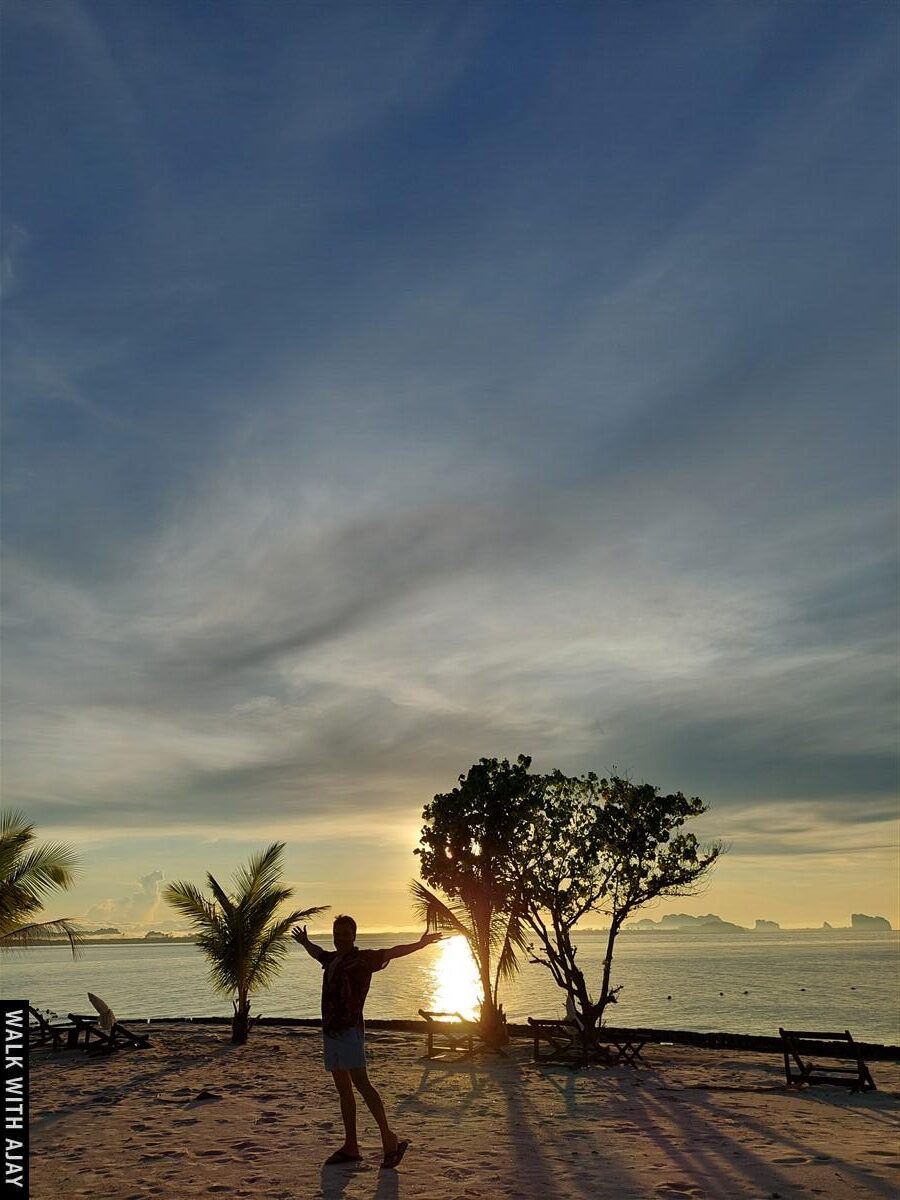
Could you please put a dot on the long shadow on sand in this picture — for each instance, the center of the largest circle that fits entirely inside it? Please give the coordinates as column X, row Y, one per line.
column 548, row 1172
column 680, row 1121
column 84, row 1072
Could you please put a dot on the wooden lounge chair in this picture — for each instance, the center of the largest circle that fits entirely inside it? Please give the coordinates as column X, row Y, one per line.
column 41, row 1031
column 100, row 1041
column 565, row 1042
column 798, row 1045
column 461, row 1036
column 567, row 1045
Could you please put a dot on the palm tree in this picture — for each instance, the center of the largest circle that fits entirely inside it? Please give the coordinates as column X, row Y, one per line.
column 493, row 935
column 239, row 933
column 27, row 874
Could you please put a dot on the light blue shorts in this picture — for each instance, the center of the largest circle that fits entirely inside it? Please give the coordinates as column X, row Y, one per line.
column 345, row 1051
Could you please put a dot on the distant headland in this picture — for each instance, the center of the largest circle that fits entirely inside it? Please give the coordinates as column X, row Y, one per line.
column 672, row 922
column 711, row 923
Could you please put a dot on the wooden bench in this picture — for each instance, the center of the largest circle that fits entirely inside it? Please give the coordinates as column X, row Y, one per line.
column 41, row 1031
column 460, row 1035
column 563, row 1039
column 798, row 1046
column 567, row 1045
column 98, row 1041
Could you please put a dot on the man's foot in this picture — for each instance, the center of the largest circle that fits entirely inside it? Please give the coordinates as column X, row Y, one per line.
column 343, row 1156
column 392, row 1157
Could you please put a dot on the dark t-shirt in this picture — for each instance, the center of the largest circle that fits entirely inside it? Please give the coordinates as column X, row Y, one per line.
column 345, row 985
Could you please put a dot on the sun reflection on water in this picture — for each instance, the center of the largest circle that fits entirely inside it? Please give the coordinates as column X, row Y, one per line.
column 455, row 986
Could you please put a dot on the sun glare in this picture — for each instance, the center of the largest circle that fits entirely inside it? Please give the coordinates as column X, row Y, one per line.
column 455, row 984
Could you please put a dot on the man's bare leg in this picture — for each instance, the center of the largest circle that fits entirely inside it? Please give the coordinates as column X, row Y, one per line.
column 348, row 1110
column 366, row 1089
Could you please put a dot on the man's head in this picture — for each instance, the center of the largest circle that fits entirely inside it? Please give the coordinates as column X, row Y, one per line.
column 343, row 932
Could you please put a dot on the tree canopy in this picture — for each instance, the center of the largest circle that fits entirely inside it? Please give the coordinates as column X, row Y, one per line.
column 465, row 852
column 606, row 846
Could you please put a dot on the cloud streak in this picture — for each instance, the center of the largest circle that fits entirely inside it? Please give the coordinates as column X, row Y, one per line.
column 423, row 389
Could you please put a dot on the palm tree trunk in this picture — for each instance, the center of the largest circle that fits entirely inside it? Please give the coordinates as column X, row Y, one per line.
column 493, row 1026
column 240, row 1025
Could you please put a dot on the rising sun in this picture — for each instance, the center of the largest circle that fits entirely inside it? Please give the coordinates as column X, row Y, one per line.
column 455, row 986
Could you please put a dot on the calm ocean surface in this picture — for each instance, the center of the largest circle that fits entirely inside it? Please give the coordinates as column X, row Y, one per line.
column 850, row 980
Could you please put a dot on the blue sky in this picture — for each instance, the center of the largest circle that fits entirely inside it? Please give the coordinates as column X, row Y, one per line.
column 391, row 385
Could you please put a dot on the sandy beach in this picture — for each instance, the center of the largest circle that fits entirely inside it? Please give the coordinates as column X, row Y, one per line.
column 689, row 1123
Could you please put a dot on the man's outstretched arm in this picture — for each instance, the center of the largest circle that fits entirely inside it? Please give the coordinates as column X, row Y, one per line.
column 427, row 939
column 299, row 935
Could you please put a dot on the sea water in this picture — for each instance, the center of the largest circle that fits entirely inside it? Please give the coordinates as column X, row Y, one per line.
column 728, row 981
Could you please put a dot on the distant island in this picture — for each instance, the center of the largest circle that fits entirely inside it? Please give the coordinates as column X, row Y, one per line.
column 682, row 921
column 711, row 923
column 861, row 921
column 672, row 922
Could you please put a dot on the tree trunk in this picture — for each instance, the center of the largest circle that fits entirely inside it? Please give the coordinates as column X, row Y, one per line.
column 492, row 1022
column 607, row 995
column 240, row 1025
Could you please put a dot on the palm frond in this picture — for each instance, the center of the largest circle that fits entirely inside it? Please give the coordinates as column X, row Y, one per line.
column 511, row 935
column 271, row 951
column 16, row 833
column 262, row 873
column 226, row 902
column 46, row 867
column 23, row 936
column 435, row 913
column 27, row 874
column 191, row 903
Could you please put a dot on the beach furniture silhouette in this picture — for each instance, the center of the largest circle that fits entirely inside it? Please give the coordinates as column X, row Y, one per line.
column 800, row 1068
column 103, row 1033
column 563, row 1038
column 567, row 1045
column 41, row 1031
column 107, row 1016
column 460, row 1036
column 626, row 1049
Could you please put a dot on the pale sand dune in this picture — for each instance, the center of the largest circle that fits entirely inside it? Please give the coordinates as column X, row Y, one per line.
column 691, row 1123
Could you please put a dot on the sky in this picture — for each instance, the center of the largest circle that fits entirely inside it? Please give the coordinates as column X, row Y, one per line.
column 390, row 385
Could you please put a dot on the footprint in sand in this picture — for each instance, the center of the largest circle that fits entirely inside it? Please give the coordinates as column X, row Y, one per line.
column 791, row 1160
column 679, row 1189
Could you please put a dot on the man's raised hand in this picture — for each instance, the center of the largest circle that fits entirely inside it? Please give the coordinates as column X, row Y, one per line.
column 300, row 935
column 428, row 939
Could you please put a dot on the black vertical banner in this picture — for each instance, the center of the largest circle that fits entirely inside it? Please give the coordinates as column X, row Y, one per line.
column 15, row 1097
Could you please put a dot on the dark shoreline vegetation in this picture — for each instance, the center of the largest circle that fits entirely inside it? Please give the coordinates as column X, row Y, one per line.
column 747, row 1042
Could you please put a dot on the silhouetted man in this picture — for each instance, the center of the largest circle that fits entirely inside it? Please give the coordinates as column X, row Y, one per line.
column 347, row 973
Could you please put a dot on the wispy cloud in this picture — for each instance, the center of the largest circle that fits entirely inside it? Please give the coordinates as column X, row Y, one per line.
column 390, row 391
